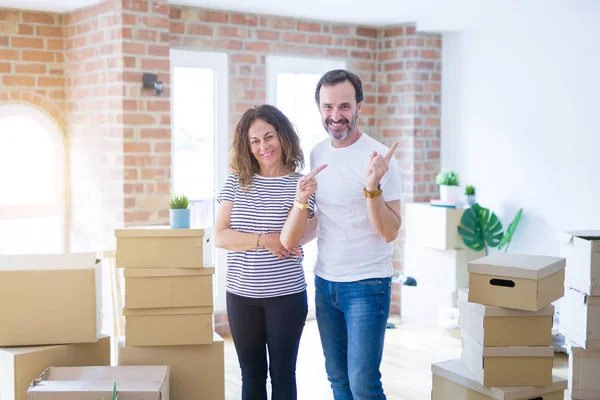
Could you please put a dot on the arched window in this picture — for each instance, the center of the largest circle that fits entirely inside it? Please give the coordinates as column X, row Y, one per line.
column 32, row 182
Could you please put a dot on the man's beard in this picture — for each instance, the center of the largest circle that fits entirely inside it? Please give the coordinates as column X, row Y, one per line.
column 335, row 134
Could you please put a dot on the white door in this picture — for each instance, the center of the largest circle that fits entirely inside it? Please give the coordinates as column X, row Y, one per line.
column 200, row 140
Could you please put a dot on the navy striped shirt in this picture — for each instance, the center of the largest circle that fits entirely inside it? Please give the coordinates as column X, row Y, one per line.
column 258, row 273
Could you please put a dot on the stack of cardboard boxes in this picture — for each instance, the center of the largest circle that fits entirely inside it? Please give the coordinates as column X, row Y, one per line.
column 435, row 255
column 50, row 316
column 168, row 309
column 580, row 311
column 506, row 320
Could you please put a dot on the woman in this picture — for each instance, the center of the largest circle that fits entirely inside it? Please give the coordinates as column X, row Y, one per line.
column 266, row 201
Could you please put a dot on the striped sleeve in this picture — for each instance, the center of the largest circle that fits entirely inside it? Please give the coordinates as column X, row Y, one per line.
column 229, row 190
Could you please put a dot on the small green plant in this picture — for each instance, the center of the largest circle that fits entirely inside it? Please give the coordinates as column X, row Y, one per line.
column 178, row 202
column 115, row 396
column 447, row 177
column 470, row 190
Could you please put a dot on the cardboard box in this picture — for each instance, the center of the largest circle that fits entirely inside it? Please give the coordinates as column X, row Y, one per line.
column 196, row 372
column 447, row 269
column 163, row 247
column 519, row 281
column 50, row 299
column 453, row 381
column 583, row 374
column 166, row 288
column 508, row 366
column 580, row 321
column 94, row 383
column 422, row 304
column 582, row 251
column 19, row 366
column 432, row 226
column 168, row 326
column 498, row 326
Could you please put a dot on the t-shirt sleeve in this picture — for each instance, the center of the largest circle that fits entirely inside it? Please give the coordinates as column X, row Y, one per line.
column 391, row 183
column 229, row 190
column 311, row 206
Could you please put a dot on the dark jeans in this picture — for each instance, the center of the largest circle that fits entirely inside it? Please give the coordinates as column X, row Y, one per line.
column 275, row 323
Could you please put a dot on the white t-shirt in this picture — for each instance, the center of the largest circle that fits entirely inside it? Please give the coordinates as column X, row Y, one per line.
column 349, row 249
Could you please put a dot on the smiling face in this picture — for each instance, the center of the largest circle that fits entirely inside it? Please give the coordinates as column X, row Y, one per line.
column 265, row 145
column 339, row 111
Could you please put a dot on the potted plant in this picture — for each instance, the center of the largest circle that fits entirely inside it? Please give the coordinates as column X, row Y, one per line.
column 470, row 194
column 179, row 213
column 115, row 396
column 449, row 182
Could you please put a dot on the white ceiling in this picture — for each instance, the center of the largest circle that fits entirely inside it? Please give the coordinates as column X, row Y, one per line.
column 432, row 15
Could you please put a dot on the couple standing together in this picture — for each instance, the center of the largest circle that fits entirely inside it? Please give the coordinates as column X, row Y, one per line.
column 268, row 211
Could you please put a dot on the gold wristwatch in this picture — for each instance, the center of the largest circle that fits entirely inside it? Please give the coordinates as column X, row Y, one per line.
column 301, row 206
column 374, row 193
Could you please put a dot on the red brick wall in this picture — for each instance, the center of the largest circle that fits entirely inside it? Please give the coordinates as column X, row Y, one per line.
column 32, row 61
column 146, row 117
column 120, row 135
column 95, row 130
column 248, row 38
column 408, row 99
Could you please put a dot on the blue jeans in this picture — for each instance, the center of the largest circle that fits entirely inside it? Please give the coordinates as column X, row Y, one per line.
column 352, row 318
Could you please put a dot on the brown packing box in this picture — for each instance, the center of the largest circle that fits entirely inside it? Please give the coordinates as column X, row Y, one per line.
column 50, row 299
column 582, row 251
column 452, row 381
column 508, row 366
column 96, row 383
column 583, row 373
column 163, row 247
column 497, row 326
column 197, row 372
column 580, row 322
column 158, row 288
column 168, row 326
column 519, row 281
column 435, row 227
column 19, row 366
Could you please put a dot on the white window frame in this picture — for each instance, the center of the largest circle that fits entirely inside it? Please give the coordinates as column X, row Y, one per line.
column 59, row 146
column 295, row 65
column 219, row 63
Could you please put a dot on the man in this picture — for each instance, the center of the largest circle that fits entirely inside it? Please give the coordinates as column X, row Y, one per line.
column 358, row 210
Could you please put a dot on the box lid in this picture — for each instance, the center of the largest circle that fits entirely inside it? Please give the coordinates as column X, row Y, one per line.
column 493, row 311
column 166, row 272
column 593, row 236
column 158, row 231
column 143, row 379
column 167, row 311
column 513, row 265
column 455, row 371
column 46, row 262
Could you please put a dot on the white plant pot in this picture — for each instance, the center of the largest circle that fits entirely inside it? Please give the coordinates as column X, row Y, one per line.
column 450, row 194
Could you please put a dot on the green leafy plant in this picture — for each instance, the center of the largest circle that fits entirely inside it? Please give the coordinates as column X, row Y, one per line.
column 481, row 229
column 178, row 202
column 510, row 231
column 470, row 190
column 447, row 177
column 115, row 396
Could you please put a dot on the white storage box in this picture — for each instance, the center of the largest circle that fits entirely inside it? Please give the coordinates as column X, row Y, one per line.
column 582, row 251
column 580, row 319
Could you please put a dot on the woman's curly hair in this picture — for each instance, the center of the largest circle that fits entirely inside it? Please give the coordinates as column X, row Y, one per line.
column 243, row 162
